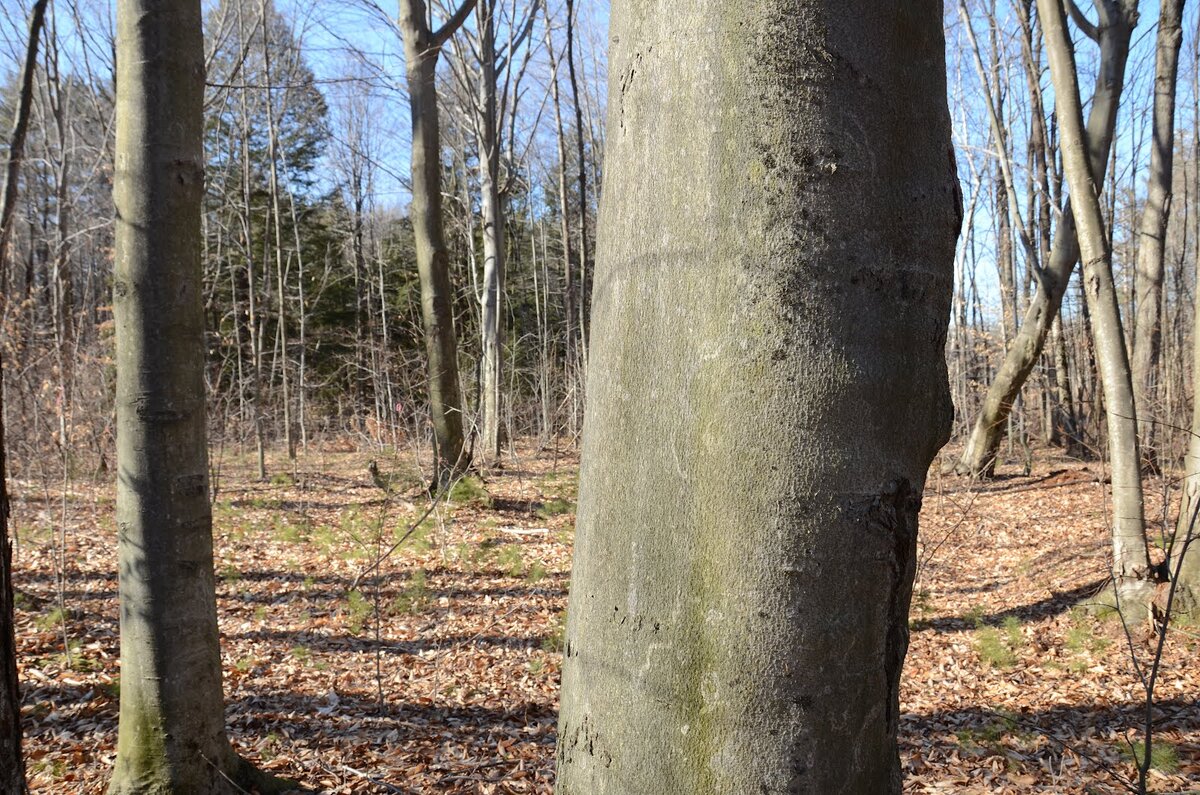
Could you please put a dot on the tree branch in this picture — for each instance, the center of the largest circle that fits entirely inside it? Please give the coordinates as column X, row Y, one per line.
column 1082, row 21
column 443, row 34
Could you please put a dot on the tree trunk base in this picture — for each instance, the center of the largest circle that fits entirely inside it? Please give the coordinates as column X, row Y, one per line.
column 235, row 776
column 1132, row 599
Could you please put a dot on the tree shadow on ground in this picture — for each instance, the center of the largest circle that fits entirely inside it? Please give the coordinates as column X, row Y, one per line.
column 1053, row 605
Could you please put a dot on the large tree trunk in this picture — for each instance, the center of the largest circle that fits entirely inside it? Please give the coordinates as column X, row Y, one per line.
column 421, row 50
column 12, row 764
column 172, row 723
column 979, row 456
column 1147, row 340
column 767, row 390
column 1131, row 559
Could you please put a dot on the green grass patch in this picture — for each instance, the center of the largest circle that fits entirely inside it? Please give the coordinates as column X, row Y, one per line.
column 555, row 507
column 289, row 532
column 510, row 561
column 468, row 490
column 994, row 648
column 1163, row 756
column 414, row 598
column 536, row 572
column 358, row 611
column 52, row 620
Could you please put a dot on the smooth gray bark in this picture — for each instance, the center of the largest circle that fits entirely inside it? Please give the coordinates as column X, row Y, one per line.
column 492, row 212
column 1147, row 338
column 12, row 764
column 172, row 724
column 1187, row 530
column 767, row 389
column 1131, row 559
column 979, row 456
column 422, row 47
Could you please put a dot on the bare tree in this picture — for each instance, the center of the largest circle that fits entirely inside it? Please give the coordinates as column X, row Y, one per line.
column 1147, row 339
column 1131, row 559
column 1112, row 34
column 422, row 46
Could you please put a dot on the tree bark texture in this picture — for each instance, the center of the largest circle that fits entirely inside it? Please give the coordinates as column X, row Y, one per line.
column 1147, row 338
column 172, row 727
column 766, row 392
column 979, row 455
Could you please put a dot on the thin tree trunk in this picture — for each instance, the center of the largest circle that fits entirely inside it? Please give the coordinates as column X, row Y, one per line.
column 16, row 141
column 1147, row 337
column 277, row 218
column 421, row 49
column 762, row 397
column 581, row 179
column 1131, row 559
column 569, row 290
column 492, row 211
column 979, row 456
column 172, row 723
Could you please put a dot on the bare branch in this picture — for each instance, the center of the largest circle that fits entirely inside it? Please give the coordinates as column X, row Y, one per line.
column 443, row 34
column 1081, row 21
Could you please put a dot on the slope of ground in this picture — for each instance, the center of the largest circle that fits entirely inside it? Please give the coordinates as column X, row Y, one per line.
column 433, row 667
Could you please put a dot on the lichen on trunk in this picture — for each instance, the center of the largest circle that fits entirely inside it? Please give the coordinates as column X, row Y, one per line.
column 767, row 389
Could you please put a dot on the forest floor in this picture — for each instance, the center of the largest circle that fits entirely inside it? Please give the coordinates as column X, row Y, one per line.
column 441, row 675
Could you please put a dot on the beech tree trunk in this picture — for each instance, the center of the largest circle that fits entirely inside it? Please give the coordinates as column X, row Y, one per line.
column 979, row 456
column 421, row 50
column 1147, row 339
column 767, row 389
column 492, row 211
column 1131, row 558
column 172, row 723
